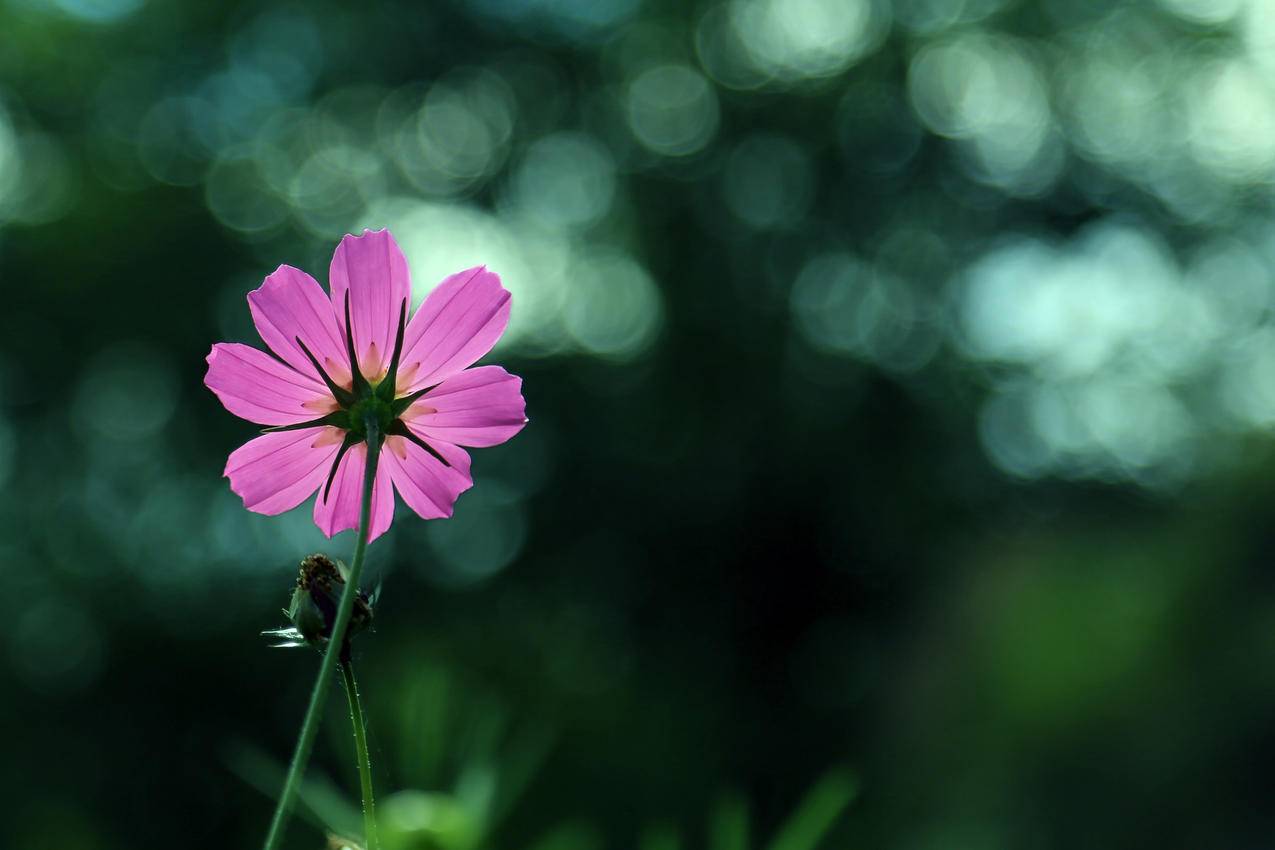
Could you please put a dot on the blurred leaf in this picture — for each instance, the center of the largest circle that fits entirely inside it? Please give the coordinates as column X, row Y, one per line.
column 416, row 820
column 319, row 802
column 424, row 719
column 519, row 764
column 817, row 812
column 570, row 836
column 728, row 825
column 661, row 836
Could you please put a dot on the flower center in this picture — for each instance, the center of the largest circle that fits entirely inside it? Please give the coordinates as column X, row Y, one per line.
column 365, row 402
column 371, row 406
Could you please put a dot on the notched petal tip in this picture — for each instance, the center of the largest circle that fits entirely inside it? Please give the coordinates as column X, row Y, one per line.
column 280, row 278
column 371, row 238
column 480, row 275
column 212, row 356
column 367, row 231
column 218, row 349
column 240, row 489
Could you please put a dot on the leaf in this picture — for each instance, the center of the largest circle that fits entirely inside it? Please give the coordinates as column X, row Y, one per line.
column 817, row 812
column 318, row 800
column 661, row 836
column 728, row 824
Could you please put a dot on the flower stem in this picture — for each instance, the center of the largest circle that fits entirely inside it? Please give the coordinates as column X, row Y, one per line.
column 370, row 839
column 310, row 725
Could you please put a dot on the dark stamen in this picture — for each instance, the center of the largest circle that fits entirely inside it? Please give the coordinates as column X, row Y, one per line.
column 387, row 388
column 398, row 429
column 360, row 382
column 341, row 394
column 402, row 404
column 339, row 418
column 350, row 440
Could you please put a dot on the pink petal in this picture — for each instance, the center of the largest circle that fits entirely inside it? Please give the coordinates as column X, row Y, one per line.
column 458, row 323
column 253, row 385
column 276, row 472
column 479, row 407
column 373, row 270
column 341, row 508
column 428, row 487
column 291, row 304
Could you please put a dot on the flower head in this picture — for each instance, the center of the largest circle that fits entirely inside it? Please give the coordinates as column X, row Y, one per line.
column 342, row 359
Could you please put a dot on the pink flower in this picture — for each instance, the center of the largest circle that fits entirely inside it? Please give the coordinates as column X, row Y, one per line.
column 413, row 376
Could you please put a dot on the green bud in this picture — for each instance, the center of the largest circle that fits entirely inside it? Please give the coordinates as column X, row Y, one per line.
column 306, row 616
column 312, row 609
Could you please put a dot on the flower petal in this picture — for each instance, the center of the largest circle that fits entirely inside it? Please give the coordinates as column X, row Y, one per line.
column 458, row 323
column 253, row 385
column 289, row 305
column 341, row 508
column 479, row 407
column 276, row 472
column 428, row 487
column 373, row 270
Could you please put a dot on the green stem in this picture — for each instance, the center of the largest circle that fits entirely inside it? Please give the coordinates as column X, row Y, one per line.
column 371, row 841
column 310, row 725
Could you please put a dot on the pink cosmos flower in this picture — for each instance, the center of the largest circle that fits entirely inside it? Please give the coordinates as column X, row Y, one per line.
column 338, row 360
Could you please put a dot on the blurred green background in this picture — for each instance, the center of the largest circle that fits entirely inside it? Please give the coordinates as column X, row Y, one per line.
column 901, row 379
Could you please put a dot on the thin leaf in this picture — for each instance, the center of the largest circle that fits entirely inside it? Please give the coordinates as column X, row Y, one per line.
column 661, row 836
column 728, row 824
column 817, row 812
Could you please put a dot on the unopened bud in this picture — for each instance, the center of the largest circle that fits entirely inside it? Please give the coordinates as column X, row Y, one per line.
column 312, row 610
